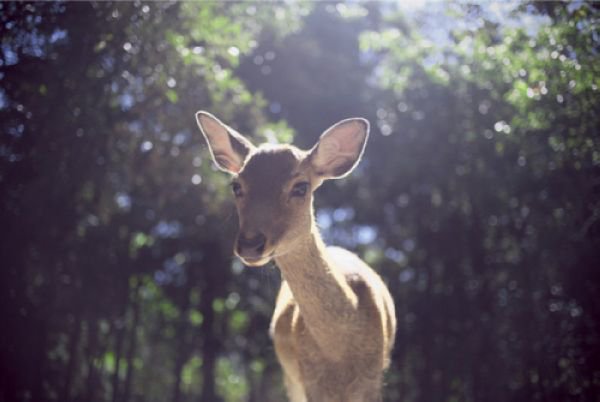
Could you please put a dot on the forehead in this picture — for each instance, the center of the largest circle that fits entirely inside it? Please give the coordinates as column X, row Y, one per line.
column 271, row 166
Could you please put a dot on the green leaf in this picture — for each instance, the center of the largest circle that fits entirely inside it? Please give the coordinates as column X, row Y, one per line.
column 172, row 96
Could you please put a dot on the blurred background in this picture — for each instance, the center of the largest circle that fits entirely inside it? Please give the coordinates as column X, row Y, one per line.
column 478, row 199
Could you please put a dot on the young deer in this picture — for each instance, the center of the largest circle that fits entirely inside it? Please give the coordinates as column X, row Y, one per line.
column 334, row 321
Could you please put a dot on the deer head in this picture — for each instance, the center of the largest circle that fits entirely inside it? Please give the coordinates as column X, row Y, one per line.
column 273, row 185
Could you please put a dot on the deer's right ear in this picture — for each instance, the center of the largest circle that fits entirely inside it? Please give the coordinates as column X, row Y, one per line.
column 228, row 148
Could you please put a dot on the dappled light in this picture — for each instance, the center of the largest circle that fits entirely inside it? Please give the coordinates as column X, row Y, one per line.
column 477, row 199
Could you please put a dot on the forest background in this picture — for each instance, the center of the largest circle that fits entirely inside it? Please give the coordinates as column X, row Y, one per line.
column 478, row 199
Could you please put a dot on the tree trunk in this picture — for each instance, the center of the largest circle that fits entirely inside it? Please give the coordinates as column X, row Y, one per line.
column 40, row 351
column 132, row 344
column 210, row 343
column 120, row 336
column 91, row 354
column 73, row 344
column 183, row 348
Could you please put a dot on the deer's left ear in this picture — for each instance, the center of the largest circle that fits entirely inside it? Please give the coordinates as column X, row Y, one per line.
column 340, row 148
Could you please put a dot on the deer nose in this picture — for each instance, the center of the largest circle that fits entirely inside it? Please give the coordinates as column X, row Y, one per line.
column 254, row 244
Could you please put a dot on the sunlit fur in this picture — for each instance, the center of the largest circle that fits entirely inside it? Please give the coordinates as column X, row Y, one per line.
column 334, row 322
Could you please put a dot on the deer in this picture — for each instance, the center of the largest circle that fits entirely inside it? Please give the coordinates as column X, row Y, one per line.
column 334, row 323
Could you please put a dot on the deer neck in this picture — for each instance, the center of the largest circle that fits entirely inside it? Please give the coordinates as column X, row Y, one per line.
column 326, row 301
column 308, row 251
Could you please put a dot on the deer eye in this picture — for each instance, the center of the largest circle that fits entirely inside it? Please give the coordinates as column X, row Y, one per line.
column 300, row 189
column 237, row 189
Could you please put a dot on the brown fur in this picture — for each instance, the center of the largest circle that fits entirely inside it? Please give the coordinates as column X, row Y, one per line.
column 332, row 349
column 334, row 322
